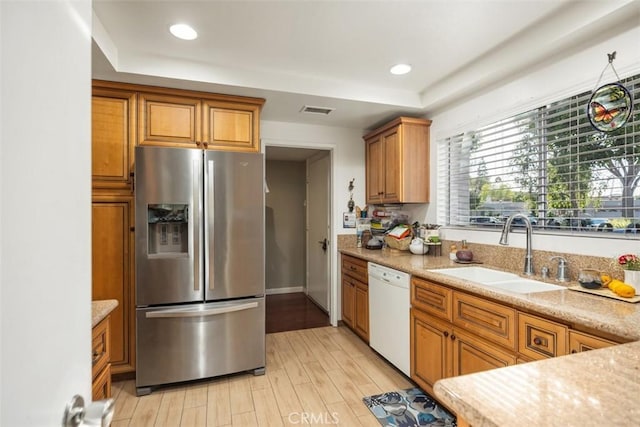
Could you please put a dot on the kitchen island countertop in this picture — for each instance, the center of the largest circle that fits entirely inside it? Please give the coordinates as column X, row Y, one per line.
column 101, row 309
column 593, row 388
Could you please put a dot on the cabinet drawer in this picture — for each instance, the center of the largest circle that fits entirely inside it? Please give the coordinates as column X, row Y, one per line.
column 100, row 347
column 487, row 319
column 101, row 387
column 541, row 338
column 355, row 267
column 579, row 342
column 431, row 298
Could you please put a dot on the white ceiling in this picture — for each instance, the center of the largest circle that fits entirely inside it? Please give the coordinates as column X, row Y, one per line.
column 338, row 53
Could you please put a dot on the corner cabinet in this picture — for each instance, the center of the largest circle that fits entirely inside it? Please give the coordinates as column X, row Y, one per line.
column 355, row 295
column 397, row 162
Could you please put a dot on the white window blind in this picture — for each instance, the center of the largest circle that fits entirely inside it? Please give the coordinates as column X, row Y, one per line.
column 548, row 163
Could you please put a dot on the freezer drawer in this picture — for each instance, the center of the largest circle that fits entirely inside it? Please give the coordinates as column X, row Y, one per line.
column 182, row 343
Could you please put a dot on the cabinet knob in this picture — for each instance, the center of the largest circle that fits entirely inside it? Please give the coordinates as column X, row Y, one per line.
column 537, row 341
column 445, row 333
column 574, row 351
column 132, row 229
column 453, row 337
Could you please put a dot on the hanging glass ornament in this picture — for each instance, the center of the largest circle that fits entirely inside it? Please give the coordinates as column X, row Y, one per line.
column 610, row 105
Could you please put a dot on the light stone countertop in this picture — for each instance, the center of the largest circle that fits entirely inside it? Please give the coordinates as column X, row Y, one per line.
column 618, row 318
column 594, row 388
column 101, row 309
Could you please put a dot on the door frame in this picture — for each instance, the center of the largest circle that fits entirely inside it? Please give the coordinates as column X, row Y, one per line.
column 333, row 248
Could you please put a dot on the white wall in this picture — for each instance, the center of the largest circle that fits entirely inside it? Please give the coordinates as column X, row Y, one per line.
column 347, row 147
column 45, row 209
column 570, row 74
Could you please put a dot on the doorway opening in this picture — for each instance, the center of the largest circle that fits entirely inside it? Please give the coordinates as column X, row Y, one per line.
column 297, row 225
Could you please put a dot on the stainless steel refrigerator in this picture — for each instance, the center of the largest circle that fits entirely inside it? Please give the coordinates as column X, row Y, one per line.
column 200, row 309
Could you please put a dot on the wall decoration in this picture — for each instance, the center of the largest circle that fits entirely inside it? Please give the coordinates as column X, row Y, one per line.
column 610, row 105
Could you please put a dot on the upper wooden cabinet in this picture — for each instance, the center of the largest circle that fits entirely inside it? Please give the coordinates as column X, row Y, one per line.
column 173, row 121
column 113, row 119
column 188, row 121
column 397, row 162
column 231, row 126
column 175, row 118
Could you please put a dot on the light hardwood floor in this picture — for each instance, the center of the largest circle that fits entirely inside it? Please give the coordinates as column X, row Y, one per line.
column 313, row 377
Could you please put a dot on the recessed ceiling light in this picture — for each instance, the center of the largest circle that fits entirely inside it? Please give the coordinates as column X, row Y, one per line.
column 183, row 31
column 399, row 69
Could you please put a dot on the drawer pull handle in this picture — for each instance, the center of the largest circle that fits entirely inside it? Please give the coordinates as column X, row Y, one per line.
column 96, row 357
column 352, row 268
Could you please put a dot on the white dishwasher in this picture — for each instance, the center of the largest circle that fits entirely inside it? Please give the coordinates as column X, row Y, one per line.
column 389, row 322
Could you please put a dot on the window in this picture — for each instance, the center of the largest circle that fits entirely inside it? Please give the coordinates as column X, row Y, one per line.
column 549, row 164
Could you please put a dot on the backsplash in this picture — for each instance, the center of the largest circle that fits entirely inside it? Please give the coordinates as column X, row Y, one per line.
column 512, row 259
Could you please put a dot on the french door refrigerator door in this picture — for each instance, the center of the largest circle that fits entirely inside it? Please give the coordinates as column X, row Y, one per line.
column 234, row 225
column 188, row 342
column 168, row 226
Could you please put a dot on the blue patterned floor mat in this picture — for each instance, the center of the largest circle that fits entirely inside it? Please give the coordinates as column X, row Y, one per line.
column 408, row 408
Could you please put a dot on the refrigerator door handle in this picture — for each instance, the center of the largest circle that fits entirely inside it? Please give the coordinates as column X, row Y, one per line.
column 208, row 224
column 198, row 312
column 196, row 248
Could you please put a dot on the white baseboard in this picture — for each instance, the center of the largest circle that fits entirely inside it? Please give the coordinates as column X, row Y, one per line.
column 289, row 290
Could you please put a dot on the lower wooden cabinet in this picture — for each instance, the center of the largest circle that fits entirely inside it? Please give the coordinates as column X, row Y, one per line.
column 348, row 301
column 361, row 325
column 431, row 349
column 540, row 338
column 455, row 333
column 100, row 360
column 471, row 354
column 440, row 350
column 113, row 272
column 355, row 295
column 580, row 341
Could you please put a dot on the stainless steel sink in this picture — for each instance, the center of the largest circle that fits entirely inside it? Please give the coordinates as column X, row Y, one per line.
column 498, row 279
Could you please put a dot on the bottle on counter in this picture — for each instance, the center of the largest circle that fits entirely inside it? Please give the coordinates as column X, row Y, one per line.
column 452, row 252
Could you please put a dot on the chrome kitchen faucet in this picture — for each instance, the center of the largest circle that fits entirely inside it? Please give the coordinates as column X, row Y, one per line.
column 528, row 259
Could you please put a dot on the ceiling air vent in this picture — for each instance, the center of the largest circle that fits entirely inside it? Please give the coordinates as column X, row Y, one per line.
column 316, row 110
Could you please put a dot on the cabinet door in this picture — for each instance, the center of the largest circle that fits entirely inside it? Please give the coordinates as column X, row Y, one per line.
column 112, row 274
column 230, row 126
column 579, row 341
column 112, row 138
column 430, row 349
column 171, row 121
column 392, row 165
column 472, row 354
column 362, row 310
column 348, row 301
column 375, row 170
